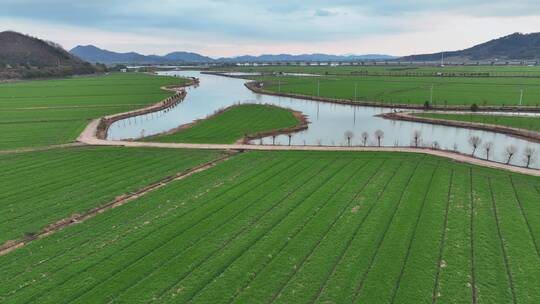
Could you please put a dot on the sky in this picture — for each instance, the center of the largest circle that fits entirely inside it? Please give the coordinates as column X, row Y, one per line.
column 220, row 28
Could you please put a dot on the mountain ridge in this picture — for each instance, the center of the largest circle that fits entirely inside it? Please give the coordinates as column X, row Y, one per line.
column 23, row 56
column 516, row 46
column 94, row 54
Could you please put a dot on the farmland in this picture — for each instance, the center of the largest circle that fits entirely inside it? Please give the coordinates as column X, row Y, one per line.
column 233, row 124
column 40, row 113
column 40, row 188
column 521, row 122
column 496, row 91
column 394, row 69
column 300, row 227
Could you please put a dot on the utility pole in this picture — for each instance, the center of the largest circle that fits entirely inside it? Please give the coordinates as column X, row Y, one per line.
column 318, row 88
column 355, row 90
column 442, row 59
column 521, row 97
column 279, row 85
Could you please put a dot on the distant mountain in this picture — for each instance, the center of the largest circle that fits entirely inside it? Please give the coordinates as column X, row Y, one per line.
column 307, row 57
column 187, row 57
column 22, row 56
column 94, row 54
column 516, row 46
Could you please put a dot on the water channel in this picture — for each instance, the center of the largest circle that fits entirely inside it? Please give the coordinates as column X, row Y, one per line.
column 328, row 122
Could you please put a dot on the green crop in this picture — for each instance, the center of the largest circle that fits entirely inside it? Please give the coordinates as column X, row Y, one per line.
column 521, row 122
column 40, row 113
column 299, row 227
column 232, row 124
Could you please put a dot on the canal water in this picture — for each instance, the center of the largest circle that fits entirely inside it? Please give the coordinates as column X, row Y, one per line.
column 327, row 122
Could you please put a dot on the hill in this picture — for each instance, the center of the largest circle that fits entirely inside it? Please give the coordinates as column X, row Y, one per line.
column 516, row 46
column 94, row 54
column 22, row 56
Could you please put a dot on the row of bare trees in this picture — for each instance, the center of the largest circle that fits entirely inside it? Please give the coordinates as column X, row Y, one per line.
column 476, row 143
column 379, row 135
column 528, row 154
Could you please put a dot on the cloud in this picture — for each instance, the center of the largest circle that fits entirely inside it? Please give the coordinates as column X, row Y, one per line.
column 221, row 27
column 324, row 13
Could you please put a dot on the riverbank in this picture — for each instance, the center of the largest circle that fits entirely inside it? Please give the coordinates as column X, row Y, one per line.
column 168, row 102
column 519, row 133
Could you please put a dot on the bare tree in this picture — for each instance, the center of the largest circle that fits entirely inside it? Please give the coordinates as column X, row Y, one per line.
column 510, row 151
column 365, row 136
column 417, row 134
column 529, row 154
column 349, row 135
column 379, row 134
column 290, row 137
column 273, row 140
column 488, row 146
column 474, row 141
column 436, row 145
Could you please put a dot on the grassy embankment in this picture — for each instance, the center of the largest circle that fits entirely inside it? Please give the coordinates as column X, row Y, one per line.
column 299, row 227
column 40, row 113
column 232, row 124
column 40, row 188
column 521, row 122
column 412, row 90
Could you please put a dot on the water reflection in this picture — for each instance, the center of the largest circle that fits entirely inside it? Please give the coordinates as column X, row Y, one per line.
column 328, row 122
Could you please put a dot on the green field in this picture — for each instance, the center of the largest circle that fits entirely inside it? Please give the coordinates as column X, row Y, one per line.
column 40, row 113
column 521, row 122
column 40, row 188
column 300, row 227
column 412, row 90
column 233, row 124
column 398, row 70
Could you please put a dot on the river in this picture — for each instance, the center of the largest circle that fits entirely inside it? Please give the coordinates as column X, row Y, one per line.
column 328, row 122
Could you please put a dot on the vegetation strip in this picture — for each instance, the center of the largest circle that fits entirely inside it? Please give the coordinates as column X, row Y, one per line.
column 360, row 285
column 123, row 199
column 471, row 234
column 505, row 255
column 396, row 288
column 443, row 238
column 525, row 217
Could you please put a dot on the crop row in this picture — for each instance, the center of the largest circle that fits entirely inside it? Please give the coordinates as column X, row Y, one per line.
column 299, row 227
column 39, row 188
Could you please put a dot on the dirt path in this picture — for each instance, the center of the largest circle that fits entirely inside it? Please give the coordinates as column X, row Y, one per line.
column 117, row 202
column 42, row 148
column 88, row 136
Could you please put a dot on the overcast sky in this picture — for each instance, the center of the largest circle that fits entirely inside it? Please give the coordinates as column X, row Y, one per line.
column 237, row 27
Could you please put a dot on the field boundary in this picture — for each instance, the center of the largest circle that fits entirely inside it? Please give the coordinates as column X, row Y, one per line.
column 123, row 199
column 516, row 132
